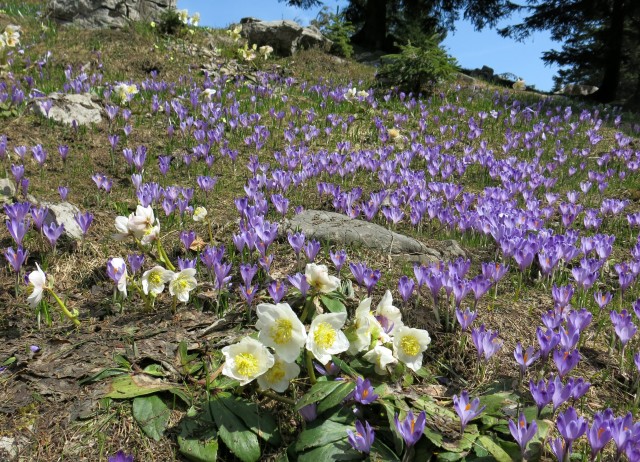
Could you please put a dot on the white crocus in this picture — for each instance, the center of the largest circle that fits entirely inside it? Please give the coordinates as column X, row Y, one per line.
column 182, row 283
column 409, row 344
column 381, row 357
column 121, row 267
column 154, row 280
column 199, row 214
column 246, row 360
column 318, row 278
column 38, row 282
column 280, row 329
column 325, row 337
column 279, row 376
column 389, row 316
column 365, row 327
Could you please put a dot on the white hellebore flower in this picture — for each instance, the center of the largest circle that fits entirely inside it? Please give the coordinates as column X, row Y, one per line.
column 363, row 94
column 183, row 16
column 279, row 376
column 281, row 330
column 125, row 91
column 388, row 315
column 325, row 337
column 38, row 281
column 408, row 345
column 365, row 327
column 381, row 357
column 195, row 19
column 122, row 226
column 246, row 360
column 153, row 280
column 265, row 51
column 199, row 214
column 318, row 278
column 182, row 283
column 208, row 93
column 350, row 94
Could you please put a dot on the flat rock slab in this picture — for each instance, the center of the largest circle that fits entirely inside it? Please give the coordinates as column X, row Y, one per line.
column 339, row 229
column 69, row 107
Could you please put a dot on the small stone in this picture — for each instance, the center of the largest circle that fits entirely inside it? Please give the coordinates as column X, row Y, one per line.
column 67, row 108
column 7, row 190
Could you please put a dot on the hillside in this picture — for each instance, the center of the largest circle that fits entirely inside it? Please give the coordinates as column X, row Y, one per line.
column 203, row 303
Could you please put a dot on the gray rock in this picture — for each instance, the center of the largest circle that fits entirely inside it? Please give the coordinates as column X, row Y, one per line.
column 106, row 13
column 339, row 229
column 69, row 107
column 286, row 37
column 7, row 190
column 577, row 89
column 63, row 213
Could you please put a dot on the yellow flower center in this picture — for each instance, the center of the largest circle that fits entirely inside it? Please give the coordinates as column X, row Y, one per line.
column 410, row 345
column 182, row 284
column 246, row 364
column 155, row 278
column 281, row 331
column 275, row 374
column 325, row 335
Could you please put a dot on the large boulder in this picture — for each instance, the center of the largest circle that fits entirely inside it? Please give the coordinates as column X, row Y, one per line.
column 67, row 108
column 577, row 89
column 285, row 37
column 106, row 13
column 341, row 230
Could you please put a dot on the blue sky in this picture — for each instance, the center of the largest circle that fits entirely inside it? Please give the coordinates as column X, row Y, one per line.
column 472, row 49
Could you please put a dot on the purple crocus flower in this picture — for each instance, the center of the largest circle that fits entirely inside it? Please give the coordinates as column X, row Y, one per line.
column 565, row 360
column 521, row 432
column 187, row 238
column 84, row 220
column 120, row 457
column 221, row 271
column 599, row 434
column 363, row 437
column 39, row 154
column 53, row 232
column 185, row 263
column 17, row 229
column 296, row 241
column 358, row 270
column 526, row 358
column 547, row 340
column 299, row 281
column 63, row 150
column 622, row 432
column 16, row 258
column 309, row 412
column 624, row 328
column 277, row 290
column 560, row 449
column 63, row 191
column 570, row 426
column 364, row 392
column 561, row 392
column 135, row 262
column 247, row 272
column 371, row 278
column 338, row 258
column 465, row 318
column 311, row 249
column 38, row 214
column 542, row 393
column 411, row 428
column 406, row 286
column 465, row 409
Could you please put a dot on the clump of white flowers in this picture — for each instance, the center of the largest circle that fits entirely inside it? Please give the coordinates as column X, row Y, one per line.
column 379, row 336
column 10, row 38
column 125, row 91
column 234, row 33
column 187, row 20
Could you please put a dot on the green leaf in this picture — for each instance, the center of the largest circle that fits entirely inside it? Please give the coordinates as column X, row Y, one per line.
column 337, row 450
column 496, row 451
column 463, row 443
column 496, row 401
column 320, row 433
column 155, row 370
column 346, row 368
column 390, row 410
column 384, row 452
column 336, row 397
column 317, row 392
column 236, row 436
column 257, row 420
column 198, row 438
column 450, row 456
column 127, row 386
column 103, row 374
column 152, row 415
column 332, row 304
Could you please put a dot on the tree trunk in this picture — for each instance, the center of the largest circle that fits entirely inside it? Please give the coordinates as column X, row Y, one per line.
column 611, row 78
column 374, row 31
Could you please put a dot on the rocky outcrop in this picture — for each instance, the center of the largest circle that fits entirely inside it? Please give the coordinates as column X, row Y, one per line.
column 341, row 230
column 106, row 13
column 285, row 37
column 577, row 89
column 65, row 108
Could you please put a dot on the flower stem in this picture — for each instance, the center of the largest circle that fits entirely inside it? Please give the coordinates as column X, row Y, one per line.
column 310, row 369
column 277, row 397
column 65, row 310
